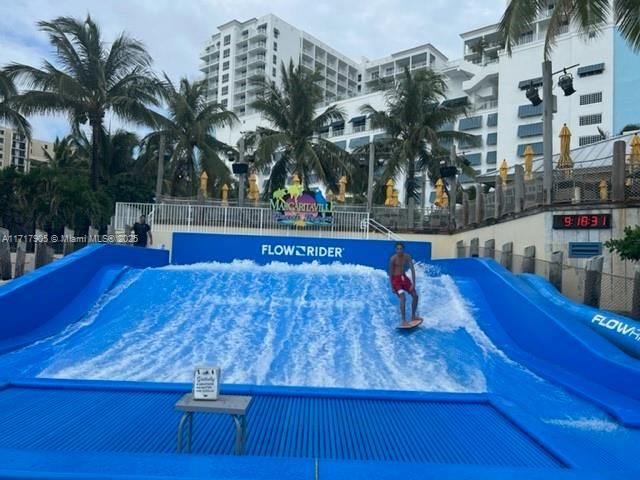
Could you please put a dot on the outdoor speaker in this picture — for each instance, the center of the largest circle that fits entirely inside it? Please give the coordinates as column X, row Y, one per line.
column 448, row 172
column 240, row 168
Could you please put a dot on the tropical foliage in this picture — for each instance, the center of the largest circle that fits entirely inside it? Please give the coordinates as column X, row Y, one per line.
column 57, row 193
column 88, row 79
column 590, row 16
column 188, row 131
column 628, row 247
column 419, row 128
column 9, row 115
column 292, row 144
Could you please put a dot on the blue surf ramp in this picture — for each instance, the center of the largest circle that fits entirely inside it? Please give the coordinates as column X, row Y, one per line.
column 619, row 330
column 543, row 336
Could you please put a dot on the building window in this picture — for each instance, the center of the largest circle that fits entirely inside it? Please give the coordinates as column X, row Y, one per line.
column 592, row 119
column 492, row 120
column 588, row 139
column 590, row 70
column 273, row 71
column 590, row 98
column 225, row 78
column 537, row 148
column 275, row 59
column 530, row 130
column 227, row 40
column 529, row 110
column 473, row 142
column 492, row 158
column 492, row 139
column 225, row 54
column 470, row 123
column 275, row 46
column 245, row 33
column 224, row 102
column 225, row 90
column 358, row 123
column 474, row 158
column 225, row 66
column 276, row 32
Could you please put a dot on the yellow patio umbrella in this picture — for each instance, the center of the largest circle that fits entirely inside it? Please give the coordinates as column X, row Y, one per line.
column 342, row 189
column 388, row 198
column 565, row 162
column 528, row 163
column 439, row 192
column 225, row 193
column 254, row 191
column 203, row 183
column 634, row 157
column 504, row 169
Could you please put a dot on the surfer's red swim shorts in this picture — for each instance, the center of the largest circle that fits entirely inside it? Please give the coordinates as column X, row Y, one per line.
column 401, row 282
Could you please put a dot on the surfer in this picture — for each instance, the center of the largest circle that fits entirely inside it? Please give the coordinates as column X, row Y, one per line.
column 400, row 283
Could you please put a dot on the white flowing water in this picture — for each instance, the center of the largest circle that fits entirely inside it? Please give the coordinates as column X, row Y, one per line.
column 315, row 325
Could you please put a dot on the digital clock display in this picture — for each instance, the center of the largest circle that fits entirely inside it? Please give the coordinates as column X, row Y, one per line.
column 582, row 221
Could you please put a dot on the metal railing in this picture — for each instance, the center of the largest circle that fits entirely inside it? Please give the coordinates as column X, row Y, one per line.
column 190, row 217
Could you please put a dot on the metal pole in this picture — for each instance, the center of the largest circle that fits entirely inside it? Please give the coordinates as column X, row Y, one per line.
column 242, row 175
column 452, row 190
column 547, row 133
column 160, row 174
column 372, row 156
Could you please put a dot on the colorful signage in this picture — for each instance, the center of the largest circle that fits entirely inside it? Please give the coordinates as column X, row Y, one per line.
column 293, row 205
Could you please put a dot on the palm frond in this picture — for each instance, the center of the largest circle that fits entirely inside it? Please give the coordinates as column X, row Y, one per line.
column 627, row 18
column 517, row 19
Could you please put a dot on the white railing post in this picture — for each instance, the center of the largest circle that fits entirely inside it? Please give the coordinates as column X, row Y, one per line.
column 261, row 229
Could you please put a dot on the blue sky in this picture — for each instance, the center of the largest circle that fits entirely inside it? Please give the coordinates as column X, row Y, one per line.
column 176, row 31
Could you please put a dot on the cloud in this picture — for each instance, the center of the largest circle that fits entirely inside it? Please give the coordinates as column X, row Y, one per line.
column 175, row 32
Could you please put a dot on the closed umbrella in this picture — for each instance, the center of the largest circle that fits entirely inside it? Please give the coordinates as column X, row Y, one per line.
column 565, row 162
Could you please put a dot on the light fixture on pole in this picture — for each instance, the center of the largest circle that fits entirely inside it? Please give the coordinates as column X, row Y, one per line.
column 565, row 82
column 533, row 96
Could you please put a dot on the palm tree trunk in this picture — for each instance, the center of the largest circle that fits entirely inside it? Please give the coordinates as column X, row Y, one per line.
column 95, row 132
column 160, row 175
column 409, row 184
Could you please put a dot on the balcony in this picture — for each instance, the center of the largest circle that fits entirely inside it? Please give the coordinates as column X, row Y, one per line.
column 258, row 47
column 256, row 73
column 257, row 59
column 241, row 51
column 258, row 36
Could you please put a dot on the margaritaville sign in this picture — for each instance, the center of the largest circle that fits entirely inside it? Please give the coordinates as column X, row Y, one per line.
column 293, row 205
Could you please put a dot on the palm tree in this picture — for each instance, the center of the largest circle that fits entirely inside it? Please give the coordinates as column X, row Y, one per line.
column 188, row 131
column 590, row 16
column 9, row 115
column 89, row 80
column 292, row 145
column 416, row 122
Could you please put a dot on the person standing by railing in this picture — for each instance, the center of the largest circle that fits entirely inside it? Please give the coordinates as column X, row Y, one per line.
column 142, row 231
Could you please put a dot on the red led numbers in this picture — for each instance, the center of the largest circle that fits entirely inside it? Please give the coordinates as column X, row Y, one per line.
column 582, row 221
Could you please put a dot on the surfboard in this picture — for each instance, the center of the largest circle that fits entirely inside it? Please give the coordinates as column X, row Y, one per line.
column 412, row 324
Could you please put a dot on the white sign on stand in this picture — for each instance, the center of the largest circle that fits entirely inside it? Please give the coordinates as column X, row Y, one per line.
column 206, row 383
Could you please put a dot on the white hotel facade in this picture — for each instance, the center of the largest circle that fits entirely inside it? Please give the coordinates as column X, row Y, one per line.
column 491, row 82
